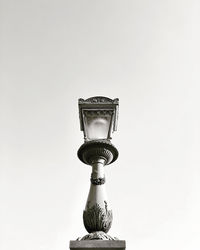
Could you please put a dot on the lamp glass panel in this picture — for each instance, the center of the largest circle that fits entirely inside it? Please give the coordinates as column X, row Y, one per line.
column 97, row 127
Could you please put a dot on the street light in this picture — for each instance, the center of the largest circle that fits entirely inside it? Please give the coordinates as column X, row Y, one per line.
column 98, row 120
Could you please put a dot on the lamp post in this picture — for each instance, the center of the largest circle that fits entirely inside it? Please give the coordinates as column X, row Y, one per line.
column 98, row 120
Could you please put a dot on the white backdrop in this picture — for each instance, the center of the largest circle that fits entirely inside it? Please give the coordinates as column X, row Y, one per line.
column 147, row 54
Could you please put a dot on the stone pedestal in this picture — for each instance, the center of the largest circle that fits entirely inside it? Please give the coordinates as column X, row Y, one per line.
column 98, row 245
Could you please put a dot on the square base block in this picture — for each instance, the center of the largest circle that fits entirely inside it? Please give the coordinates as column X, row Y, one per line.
column 97, row 245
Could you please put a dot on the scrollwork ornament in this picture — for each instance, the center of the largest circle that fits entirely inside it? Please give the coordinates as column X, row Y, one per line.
column 99, row 99
column 96, row 218
column 105, row 113
column 97, row 181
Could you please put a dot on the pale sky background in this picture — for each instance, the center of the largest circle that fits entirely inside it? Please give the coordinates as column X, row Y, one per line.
column 146, row 53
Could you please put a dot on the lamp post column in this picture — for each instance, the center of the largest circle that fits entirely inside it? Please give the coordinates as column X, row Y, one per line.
column 97, row 216
column 97, row 193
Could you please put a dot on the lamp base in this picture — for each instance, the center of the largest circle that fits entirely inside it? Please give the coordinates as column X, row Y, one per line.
column 98, row 245
column 98, row 235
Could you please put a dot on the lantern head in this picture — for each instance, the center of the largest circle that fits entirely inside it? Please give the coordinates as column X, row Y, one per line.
column 98, row 117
